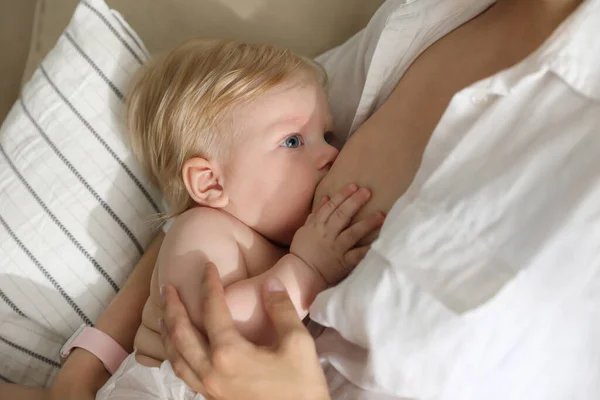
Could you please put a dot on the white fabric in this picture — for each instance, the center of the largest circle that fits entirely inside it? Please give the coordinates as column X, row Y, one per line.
column 133, row 381
column 485, row 281
column 75, row 208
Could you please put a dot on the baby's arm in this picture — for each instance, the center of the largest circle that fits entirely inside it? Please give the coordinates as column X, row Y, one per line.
column 198, row 236
column 322, row 253
column 301, row 281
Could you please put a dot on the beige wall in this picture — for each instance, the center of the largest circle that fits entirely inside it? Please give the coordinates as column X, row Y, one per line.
column 308, row 27
column 16, row 19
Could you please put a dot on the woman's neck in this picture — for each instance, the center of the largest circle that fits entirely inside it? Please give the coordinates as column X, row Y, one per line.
column 521, row 26
column 546, row 12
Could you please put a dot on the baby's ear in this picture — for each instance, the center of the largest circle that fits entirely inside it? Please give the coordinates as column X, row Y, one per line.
column 202, row 181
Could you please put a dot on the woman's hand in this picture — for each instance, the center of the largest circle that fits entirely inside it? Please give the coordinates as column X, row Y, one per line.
column 227, row 366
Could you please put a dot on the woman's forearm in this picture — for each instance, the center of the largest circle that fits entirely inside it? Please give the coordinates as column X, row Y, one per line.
column 12, row 391
column 123, row 315
column 120, row 320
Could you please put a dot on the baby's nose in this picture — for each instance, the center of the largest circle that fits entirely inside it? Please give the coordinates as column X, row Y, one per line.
column 327, row 156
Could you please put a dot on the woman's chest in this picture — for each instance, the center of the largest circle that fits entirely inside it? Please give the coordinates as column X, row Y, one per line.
column 510, row 186
column 386, row 152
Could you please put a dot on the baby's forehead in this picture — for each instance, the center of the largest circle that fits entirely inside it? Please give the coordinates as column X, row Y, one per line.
column 286, row 104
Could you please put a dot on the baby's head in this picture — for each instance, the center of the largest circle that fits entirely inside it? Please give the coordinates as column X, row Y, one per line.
column 239, row 127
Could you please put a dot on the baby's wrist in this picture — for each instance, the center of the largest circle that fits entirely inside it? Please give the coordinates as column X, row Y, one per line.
column 316, row 274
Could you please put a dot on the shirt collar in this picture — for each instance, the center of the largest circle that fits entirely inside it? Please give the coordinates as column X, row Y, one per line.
column 571, row 52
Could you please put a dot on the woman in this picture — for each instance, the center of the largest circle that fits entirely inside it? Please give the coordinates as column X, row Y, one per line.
column 509, row 183
column 515, row 156
column 383, row 154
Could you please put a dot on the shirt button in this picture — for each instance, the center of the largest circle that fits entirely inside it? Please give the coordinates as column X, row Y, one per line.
column 480, row 100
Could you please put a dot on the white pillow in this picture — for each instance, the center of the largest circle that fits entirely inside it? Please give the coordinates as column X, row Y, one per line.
column 75, row 208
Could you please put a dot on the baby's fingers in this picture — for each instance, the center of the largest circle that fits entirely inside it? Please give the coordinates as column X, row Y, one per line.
column 327, row 208
column 343, row 214
column 354, row 256
column 359, row 230
column 324, row 200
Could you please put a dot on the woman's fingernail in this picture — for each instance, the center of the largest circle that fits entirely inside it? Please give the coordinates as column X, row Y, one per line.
column 274, row 285
column 162, row 291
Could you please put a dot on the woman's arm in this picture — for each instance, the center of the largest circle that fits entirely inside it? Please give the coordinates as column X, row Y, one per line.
column 11, row 391
column 83, row 374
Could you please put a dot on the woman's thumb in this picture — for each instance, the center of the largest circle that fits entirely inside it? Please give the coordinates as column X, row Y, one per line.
column 280, row 308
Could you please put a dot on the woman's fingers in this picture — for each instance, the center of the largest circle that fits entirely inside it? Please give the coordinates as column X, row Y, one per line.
column 289, row 328
column 357, row 231
column 181, row 368
column 181, row 336
column 218, row 322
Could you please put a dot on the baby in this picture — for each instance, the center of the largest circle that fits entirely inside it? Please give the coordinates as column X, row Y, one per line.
column 237, row 137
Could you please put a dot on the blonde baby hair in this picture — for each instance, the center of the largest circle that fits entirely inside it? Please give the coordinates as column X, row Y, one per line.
column 178, row 100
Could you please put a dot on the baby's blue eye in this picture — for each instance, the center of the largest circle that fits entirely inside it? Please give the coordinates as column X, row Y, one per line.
column 292, row 142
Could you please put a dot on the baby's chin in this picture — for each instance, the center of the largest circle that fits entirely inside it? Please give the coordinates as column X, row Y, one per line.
column 283, row 235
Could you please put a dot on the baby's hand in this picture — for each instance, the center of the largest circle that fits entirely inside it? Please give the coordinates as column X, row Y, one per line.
column 327, row 241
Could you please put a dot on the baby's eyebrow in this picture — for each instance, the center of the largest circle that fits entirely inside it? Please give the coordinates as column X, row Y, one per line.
column 287, row 120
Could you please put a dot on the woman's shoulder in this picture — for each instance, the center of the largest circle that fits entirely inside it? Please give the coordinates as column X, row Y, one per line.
column 364, row 71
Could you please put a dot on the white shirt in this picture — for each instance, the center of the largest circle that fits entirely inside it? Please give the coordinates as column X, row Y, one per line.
column 485, row 281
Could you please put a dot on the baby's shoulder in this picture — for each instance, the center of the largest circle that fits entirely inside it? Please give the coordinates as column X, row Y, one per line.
column 198, row 217
column 204, row 226
column 218, row 235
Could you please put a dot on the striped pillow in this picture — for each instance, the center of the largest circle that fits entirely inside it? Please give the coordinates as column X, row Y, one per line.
column 75, row 206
